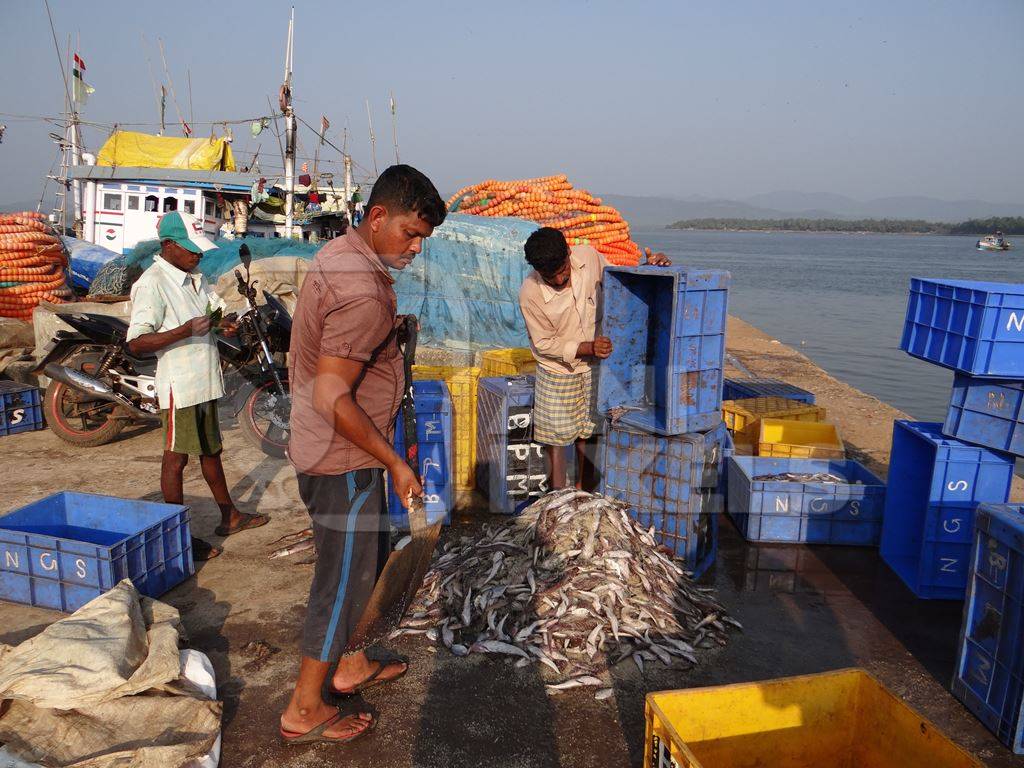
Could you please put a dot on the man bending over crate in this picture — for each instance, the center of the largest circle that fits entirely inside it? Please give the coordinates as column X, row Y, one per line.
column 560, row 301
column 169, row 317
column 347, row 380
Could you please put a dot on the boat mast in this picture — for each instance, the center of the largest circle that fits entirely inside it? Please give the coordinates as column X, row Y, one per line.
column 68, row 147
column 373, row 139
column 394, row 125
column 289, row 130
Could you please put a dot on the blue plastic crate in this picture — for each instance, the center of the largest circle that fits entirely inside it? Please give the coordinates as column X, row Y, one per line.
column 64, row 550
column 21, row 409
column 435, row 441
column 989, row 676
column 667, row 326
column 807, row 512
column 741, row 389
column 987, row 412
column 671, row 483
column 510, row 467
column 969, row 326
column 935, row 484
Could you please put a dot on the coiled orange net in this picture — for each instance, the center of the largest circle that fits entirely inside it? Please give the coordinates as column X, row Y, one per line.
column 33, row 264
column 552, row 201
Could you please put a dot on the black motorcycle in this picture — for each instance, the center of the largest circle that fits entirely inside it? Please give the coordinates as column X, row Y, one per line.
column 98, row 386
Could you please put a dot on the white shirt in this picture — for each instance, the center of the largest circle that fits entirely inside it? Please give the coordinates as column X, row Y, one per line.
column 165, row 298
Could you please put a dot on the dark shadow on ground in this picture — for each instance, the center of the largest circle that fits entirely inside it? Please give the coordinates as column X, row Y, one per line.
column 19, row 636
column 788, row 629
column 480, row 710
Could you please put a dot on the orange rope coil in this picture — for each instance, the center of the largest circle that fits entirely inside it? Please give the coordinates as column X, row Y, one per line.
column 32, row 264
column 552, row 201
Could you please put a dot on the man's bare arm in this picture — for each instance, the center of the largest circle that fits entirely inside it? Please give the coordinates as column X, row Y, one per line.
column 333, row 399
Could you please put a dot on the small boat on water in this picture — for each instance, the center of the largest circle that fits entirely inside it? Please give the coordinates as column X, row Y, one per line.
column 994, row 242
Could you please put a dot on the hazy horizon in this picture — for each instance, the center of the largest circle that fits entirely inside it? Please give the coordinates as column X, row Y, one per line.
column 657, row 99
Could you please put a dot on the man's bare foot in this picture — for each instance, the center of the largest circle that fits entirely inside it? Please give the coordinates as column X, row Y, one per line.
column 296, row 721
column 356, row 669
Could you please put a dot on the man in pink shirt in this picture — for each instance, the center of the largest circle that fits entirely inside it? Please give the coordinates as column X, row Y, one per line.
column 561, row 302
column 347, row 381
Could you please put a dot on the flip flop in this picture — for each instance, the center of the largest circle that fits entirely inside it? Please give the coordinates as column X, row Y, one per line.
column 384, row 659
column 247, row 522
column 316, row 734
column 204, row 550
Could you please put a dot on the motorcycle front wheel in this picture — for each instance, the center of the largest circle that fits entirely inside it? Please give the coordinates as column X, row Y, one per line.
column 264, row 418
column 86, row 424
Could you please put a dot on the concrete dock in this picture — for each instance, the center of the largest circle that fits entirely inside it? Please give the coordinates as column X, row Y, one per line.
column 804, row 609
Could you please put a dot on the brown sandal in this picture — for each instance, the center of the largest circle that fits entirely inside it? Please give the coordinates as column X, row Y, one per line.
column 375, row 678
column 316, row 735
column 247, row 522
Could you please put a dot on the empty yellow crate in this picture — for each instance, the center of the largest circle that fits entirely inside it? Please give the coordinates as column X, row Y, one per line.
column 741, row 416
column 462, row 383
column 799, row 440
column 515, row 361
column 842, row 719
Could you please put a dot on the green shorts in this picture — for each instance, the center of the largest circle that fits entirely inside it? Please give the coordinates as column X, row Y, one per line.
column 194, row 430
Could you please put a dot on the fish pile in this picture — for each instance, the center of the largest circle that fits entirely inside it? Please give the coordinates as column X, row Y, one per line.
column 575, row 584
column 803, row 477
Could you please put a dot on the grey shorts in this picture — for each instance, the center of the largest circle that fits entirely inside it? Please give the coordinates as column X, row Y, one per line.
column 353, row 540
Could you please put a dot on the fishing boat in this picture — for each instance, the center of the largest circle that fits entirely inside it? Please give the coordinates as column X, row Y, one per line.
column 114, row 197
column 994, row 242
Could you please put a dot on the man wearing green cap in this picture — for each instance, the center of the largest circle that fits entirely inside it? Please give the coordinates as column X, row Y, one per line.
column 169, row 318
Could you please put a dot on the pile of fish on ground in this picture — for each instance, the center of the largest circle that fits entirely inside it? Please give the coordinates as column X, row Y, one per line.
column 573, row 583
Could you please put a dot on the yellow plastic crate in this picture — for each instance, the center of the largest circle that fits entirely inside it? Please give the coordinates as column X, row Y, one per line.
column 462, row 383
column 741, row 417
column 515, row 361
column 842, row 719
column 799, row 440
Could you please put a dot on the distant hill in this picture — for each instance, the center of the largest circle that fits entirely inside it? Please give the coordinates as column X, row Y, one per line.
column 661, row 211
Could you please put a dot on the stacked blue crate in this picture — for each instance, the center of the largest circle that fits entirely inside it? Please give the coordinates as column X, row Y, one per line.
column 935, row 485
column 64, row 550
column 667, row 327
column 939, row 473
column 434, row 437
column 671, row 483
column 740, row 389
column 969, row 326
column 510, row 467
column 665, row 447
column 21, row 408
column 782, row 500
column 987, row 412
column 989, row 676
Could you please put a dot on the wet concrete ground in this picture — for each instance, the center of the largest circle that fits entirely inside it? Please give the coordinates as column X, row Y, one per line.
column 805, row 609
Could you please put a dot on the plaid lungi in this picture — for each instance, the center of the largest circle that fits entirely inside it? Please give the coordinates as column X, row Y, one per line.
column 563, row 407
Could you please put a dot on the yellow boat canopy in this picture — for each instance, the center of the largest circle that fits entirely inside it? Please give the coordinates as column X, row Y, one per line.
column 127, row 148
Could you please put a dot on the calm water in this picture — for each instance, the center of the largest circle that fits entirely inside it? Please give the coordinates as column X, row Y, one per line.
column 841, row 299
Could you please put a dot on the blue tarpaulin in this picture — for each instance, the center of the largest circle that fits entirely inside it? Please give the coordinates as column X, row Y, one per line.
column 464, row 286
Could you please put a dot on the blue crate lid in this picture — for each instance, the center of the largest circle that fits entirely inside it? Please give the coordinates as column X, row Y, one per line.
column 852, row 471
column 431, row 396
column 696, row 277
column 1009, row 516
column 1015, row 289
column 508, row 385
column 13, row 387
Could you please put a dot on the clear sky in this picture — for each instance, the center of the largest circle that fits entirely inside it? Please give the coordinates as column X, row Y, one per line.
column 722, row 99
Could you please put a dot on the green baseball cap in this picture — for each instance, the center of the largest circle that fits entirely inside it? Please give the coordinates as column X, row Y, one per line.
column 183, row 229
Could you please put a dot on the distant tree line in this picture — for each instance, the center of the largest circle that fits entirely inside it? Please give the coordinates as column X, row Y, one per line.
column 1008, row 225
